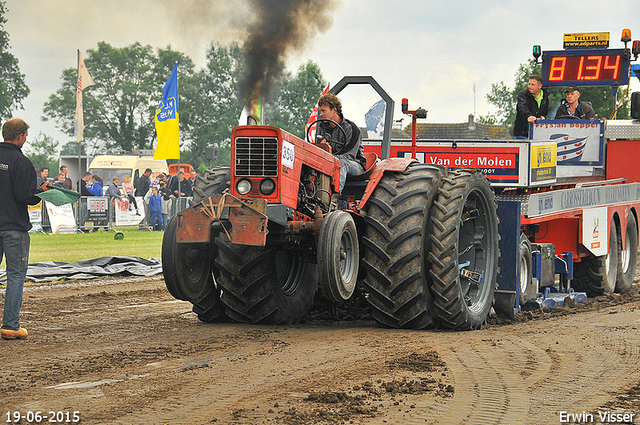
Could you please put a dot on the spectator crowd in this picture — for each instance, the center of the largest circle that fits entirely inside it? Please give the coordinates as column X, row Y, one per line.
column 157, row 190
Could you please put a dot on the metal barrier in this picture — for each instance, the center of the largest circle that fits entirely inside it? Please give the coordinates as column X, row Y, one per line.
column 94, row 212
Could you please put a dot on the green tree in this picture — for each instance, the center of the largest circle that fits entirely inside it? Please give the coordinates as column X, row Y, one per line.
column 119, row 109
column 71, row 148
column 504, row 98
column 13, row 89
column 295, row 98
column 42, row 151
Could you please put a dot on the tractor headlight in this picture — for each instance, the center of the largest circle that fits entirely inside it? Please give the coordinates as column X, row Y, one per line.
column 243, row 186
column 267, row 187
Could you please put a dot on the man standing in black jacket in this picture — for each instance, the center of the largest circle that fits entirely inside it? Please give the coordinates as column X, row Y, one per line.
column 83, row 184
column 533, row 103
column 143, row 183
column 17, row 190
column 83, row 202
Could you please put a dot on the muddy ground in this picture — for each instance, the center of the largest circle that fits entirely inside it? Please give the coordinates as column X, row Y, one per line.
column 123, row 351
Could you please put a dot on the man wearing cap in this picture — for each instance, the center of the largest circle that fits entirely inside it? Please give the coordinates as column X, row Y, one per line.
column 533, row 104
column 572, row 107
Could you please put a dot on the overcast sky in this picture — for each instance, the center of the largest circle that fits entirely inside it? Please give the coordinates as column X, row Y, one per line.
column 430, row 51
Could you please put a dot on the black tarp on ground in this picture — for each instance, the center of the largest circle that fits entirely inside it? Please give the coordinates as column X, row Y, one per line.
column 90, row 269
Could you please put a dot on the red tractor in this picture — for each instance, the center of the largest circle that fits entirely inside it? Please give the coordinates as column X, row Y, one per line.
column 420, row 241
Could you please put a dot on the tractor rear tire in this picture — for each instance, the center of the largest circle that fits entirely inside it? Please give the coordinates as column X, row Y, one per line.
column 209, row 308
column 464, row 236
column 263, row 285
column 628, row 259
column 214, row 182
column 396, row 244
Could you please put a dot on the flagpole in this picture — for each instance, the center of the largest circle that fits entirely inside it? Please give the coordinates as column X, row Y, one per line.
column 78, row 206
column 79, row 146
column 179, row 191
column 167, row 124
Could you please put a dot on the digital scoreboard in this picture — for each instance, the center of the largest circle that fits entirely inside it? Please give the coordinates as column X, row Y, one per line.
column 586, row 67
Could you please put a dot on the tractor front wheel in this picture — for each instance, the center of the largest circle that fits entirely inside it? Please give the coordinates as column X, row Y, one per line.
column 338, row 256
column 169, row 260
column 589, row 275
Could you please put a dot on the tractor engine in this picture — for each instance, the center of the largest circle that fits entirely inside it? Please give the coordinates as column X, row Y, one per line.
column 315, row 191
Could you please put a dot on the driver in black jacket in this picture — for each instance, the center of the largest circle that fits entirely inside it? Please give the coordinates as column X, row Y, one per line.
column 349, row 151
column 572, row 107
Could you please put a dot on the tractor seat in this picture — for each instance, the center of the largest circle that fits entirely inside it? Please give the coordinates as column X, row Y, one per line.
column 372, row 159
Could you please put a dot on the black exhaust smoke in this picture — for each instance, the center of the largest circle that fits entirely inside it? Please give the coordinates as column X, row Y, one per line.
column 281, row 27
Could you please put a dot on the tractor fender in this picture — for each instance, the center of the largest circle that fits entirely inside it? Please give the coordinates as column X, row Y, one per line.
column 389, row 164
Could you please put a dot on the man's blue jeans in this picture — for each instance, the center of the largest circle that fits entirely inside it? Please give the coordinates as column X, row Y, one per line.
column 348, row 168
column 14, row 245
column 164, row 221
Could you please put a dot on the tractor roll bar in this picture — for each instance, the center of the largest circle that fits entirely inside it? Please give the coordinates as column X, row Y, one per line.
column 388, row 113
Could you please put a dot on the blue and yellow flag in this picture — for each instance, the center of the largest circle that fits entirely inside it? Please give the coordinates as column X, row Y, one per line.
column 167, row 118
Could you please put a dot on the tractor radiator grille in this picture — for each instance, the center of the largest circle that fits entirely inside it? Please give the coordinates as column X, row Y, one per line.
column 256, row 156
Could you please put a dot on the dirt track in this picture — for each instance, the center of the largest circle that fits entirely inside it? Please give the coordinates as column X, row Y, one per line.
column 123, row 351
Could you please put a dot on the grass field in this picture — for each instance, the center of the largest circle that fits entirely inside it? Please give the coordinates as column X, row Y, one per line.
column 83, row 246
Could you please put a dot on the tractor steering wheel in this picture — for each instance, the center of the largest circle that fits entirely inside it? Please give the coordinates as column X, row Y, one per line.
column 565, row 117
column 328, row 120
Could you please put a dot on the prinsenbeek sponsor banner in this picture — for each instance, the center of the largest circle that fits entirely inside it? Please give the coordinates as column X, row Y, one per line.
column 61, row 218
column 35, row 217
column 126, row 214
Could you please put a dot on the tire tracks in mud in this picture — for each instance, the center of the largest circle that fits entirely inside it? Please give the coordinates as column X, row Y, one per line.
column 502, row 376
column 530, row 378
column 144, row 358
column 272, row 372
column 485, row 394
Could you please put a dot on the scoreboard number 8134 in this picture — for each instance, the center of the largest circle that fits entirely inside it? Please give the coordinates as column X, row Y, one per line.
column 586, row 67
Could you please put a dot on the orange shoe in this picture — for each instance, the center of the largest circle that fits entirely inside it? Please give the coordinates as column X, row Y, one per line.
column 9, row 334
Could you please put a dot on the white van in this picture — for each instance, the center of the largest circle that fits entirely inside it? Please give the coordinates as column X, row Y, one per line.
column 110, row 166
